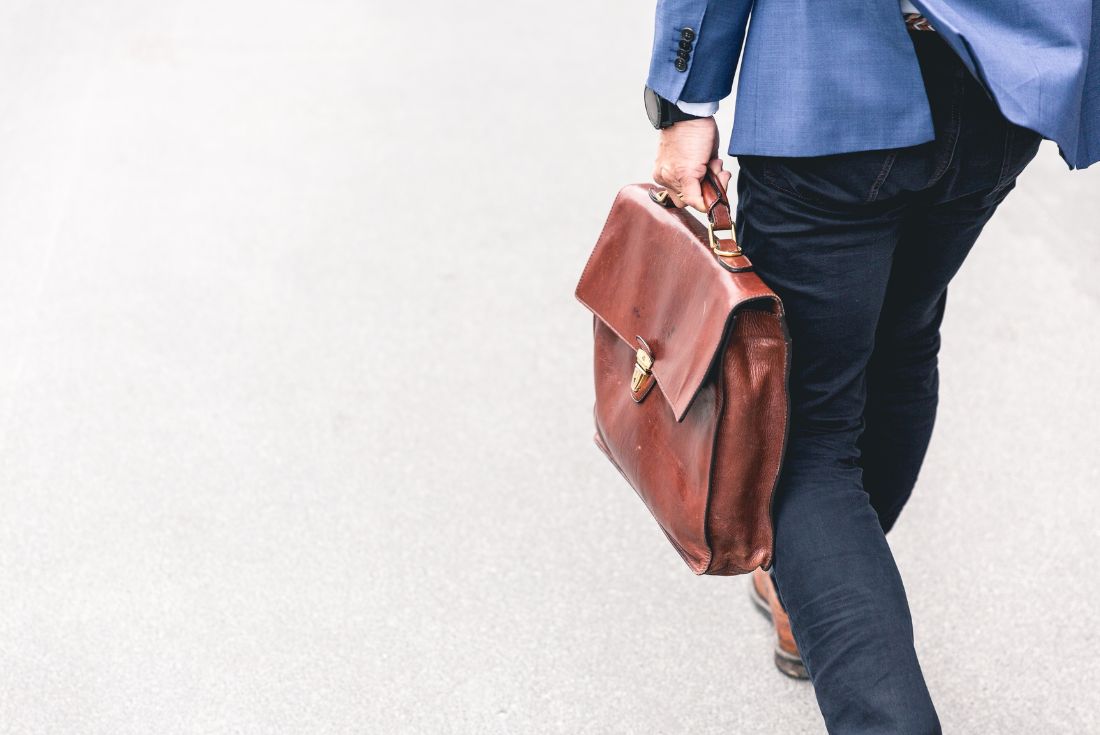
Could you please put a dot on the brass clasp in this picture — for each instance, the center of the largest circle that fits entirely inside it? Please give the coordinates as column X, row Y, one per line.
column 714, row 243
column 642, row 380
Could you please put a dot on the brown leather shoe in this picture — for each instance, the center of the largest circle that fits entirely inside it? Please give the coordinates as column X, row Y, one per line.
column 763, row 595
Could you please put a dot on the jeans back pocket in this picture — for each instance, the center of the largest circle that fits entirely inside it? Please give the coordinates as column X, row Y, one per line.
column 841, row 178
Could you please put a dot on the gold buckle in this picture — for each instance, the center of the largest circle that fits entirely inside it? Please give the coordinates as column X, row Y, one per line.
column 714, row 243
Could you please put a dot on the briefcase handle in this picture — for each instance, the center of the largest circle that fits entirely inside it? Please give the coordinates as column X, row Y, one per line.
column 719, row 218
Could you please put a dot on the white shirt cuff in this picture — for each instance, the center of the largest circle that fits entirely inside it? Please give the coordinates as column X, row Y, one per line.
column 699, row 109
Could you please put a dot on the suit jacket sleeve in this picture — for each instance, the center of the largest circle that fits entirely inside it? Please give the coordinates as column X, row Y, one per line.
column 719, row 31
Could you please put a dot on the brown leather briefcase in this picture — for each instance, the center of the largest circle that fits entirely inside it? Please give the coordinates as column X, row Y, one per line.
column 692, row 359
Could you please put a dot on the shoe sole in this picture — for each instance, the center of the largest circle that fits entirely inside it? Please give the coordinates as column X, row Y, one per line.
column 787, row 664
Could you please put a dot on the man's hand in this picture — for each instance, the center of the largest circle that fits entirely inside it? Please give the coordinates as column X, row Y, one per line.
column 686, row 150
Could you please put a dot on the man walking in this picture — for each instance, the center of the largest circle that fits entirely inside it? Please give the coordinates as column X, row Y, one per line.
column 874, row 141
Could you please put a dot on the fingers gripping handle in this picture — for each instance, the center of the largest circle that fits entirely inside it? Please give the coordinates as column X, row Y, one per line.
column 719, row 219
column 714, row 197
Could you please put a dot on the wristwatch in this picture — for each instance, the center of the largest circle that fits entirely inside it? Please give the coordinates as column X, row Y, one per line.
column 663, row 113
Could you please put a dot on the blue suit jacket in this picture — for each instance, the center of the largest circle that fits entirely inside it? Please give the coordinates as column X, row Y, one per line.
column 838, row 76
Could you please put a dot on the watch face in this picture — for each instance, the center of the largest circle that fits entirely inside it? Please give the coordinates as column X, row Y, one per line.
column 653, row 107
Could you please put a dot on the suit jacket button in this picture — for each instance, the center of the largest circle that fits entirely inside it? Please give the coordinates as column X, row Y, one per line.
column 687, row 34
column 685, row 45
column 681, row 54
column 681, row 65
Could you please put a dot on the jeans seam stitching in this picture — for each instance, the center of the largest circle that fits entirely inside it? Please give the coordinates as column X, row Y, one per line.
column 772, row 180
column 887, row 166
column 1002, row 178
column 956, row 124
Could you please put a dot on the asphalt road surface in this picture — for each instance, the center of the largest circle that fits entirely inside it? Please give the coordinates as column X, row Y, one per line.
column 295, row 401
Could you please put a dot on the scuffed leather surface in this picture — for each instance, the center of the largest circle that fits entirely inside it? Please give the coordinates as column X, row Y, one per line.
column 704, row 449
column 667, row 462
column 652, row 275
column 751, row 434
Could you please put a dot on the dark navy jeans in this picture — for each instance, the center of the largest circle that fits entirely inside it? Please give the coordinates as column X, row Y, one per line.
column 861, row 247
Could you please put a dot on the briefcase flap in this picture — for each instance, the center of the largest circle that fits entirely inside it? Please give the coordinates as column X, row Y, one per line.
column 653, row 275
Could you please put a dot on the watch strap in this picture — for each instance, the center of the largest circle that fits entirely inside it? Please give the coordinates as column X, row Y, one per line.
column 673, row 114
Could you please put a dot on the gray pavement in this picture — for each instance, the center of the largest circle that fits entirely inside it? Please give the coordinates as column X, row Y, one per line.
column 295, row 405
